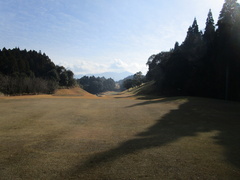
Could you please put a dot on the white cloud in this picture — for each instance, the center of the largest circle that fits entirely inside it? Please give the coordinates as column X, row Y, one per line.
column 85, row 67
column 117, row 65
column 120, row 66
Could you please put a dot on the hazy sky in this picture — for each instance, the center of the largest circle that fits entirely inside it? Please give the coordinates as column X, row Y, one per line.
column 95, row 36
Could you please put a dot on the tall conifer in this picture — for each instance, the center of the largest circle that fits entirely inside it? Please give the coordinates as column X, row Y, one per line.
column 209, row 32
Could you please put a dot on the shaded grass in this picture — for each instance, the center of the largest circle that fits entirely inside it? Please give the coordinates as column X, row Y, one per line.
column 195, row 141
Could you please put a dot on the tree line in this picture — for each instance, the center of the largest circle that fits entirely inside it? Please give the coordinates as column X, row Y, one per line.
column 132, row 81
column 96, row 85
column 31, row 72
column 206, row 63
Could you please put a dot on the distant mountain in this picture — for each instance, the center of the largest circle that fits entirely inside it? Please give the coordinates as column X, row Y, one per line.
column 114, row 75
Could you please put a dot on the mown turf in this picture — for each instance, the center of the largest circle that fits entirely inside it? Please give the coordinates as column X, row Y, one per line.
column 116, row 137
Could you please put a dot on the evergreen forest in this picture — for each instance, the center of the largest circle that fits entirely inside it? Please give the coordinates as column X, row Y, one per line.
column 31, row 72
column 96, row 85
column 206, row 63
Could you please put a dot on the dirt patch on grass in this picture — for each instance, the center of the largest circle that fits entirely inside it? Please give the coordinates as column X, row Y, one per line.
column 118, row 137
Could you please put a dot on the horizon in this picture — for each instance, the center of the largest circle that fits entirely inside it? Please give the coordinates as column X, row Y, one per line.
column 98, row 37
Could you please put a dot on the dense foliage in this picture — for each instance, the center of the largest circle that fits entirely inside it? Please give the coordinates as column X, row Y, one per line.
column 135, row 80
column 30, row 72
column 206, row 63
column 96, row 85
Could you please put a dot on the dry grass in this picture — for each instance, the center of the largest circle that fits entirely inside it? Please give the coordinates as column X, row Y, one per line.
column 114, row 137
column 76, row 91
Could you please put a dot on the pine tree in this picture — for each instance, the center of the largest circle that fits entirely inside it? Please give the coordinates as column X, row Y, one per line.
column 209, row 32
column 227, row 14
column 225, row 63
column 193, row 36
column 176, row 47
column 195, row 27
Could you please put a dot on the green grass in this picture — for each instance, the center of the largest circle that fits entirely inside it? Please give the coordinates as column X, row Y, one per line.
column 119, row 138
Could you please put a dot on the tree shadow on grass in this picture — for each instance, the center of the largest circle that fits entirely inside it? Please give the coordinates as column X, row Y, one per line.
column 156, row 100
column 140, row 97
column 197, row 115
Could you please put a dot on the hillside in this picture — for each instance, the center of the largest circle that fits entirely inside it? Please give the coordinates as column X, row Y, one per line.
column 146, row 90
column 76, row 91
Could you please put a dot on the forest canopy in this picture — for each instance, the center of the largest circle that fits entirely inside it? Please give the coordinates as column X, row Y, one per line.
column 206, row 63
column 96, row 85
column 31, row 72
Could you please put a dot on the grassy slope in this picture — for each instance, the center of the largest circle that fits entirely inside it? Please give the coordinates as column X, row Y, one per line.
column 119, row 138
column 145, row 88
column 76, row 91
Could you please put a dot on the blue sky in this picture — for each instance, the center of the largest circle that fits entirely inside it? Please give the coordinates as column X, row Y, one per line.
column 96, row 36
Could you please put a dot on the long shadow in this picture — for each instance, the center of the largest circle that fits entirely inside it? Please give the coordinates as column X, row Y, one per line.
column 155, row 101
column 142, row 97
column 195, row 116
